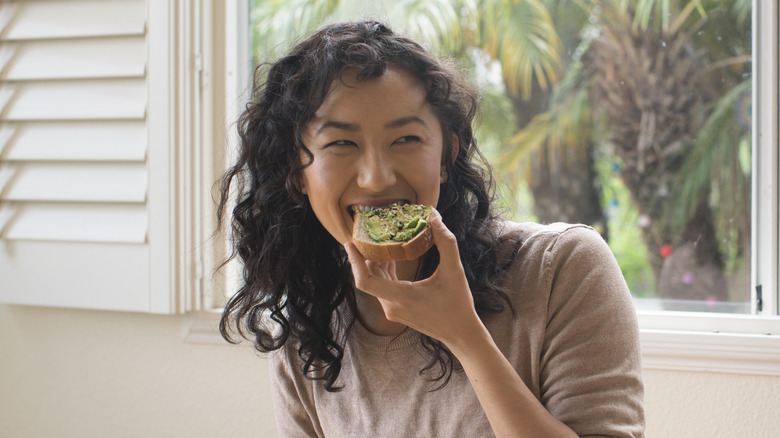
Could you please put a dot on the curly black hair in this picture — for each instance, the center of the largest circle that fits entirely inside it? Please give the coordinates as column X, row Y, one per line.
column 296, row 277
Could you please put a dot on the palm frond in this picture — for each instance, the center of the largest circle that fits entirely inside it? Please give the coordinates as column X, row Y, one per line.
column 666, row 10
column 742, row 10
column 278, row 24
column 521, row 35
column 714, row 162
column 563, row 129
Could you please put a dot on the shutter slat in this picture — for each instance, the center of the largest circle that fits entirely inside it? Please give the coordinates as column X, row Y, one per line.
column 71, row 141
column 72, row 19
column 73, row 59
column 74, row 100
column 62, row 182
column 74, row 222
column 83, row 275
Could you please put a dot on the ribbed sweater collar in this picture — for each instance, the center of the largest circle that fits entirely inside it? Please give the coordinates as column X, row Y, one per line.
column 367, row 339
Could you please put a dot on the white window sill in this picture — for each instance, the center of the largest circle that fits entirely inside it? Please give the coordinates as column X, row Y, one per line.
column 713, row 352
column 715, row 342
column 710, row 349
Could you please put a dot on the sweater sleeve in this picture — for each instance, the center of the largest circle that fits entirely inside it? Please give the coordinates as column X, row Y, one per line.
column 291, row 396
column 591, row 377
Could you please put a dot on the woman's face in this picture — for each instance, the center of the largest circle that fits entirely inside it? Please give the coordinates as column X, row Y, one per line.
column 374, row 142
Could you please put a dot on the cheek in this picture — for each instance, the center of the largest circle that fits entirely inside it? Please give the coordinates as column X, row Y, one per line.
column 316, row 174
column 432, row 174
column 424, row 174
column 324, row 184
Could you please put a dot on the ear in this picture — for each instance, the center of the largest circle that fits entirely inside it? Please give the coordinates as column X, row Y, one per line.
column 454, row 148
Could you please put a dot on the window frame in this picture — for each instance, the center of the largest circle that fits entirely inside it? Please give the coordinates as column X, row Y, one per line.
column 764, row 262
column 670, row 340
column 726, row 342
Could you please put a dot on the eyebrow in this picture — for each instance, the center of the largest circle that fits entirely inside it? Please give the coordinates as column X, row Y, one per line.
column 353, row 127
column 403, row 121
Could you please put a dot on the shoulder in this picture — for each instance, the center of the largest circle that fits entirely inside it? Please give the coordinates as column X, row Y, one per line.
column 558, row 257
column 547, row 232
column 282, row 361
column 289, row 387
column 551, row 240
column 538, row 230
column 576, row 269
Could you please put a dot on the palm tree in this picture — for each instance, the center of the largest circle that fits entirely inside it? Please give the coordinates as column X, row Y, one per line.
column 516, row 36
column 562, row 181
column 644, row 77
column 278, row 24
column 654, row 72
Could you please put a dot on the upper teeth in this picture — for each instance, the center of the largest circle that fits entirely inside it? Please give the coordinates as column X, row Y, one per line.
column 367, row 208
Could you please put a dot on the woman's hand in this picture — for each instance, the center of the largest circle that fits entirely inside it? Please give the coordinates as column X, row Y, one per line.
column 440, row 306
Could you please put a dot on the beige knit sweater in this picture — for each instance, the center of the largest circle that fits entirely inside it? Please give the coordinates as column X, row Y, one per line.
column 574, row 341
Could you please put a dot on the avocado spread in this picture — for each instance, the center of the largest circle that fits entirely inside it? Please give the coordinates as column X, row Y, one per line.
column 395, row 222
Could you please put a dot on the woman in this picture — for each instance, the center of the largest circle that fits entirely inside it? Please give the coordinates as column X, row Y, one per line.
column 502, row 329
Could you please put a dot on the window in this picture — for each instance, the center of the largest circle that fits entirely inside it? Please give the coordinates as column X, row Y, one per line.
column 718, row 314
column 106, row 161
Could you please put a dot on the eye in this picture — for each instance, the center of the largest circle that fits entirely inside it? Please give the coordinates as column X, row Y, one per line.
column 407, row 139
column 340, row 143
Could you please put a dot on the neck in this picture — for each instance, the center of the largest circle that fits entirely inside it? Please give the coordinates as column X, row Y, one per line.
column 371, row 315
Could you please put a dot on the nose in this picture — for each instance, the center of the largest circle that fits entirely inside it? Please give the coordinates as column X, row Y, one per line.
column 376, row 172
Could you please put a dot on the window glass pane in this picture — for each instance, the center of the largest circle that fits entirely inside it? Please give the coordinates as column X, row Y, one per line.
column 631, row 116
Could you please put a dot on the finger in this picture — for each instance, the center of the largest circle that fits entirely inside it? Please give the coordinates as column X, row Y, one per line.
column 366, row 281
column 382, row 269
column 356, row 260
column 446, row 243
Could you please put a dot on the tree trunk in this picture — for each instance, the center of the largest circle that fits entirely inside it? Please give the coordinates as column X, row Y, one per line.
column 565, row 189
column 646, row 85
column 563, row 183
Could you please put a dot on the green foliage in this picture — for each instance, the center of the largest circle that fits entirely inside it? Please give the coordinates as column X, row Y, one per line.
column 719, row 169
column 278, row 24
column 741, row 9
column 711, row 163
column 562, row 128
column 515, row 48
column 522, row 36
column 645, row 10
column 625, row 237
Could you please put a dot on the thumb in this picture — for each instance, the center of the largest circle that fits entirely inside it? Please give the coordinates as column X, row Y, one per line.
column 446, row 243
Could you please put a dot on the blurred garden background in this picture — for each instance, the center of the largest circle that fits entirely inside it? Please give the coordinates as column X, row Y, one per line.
column 632, row 116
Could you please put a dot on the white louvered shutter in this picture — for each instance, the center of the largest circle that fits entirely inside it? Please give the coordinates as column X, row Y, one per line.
column 89, row 155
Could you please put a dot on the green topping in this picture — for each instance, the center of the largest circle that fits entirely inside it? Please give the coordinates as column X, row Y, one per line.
column 412, row 223
column 399, row 223
column 419, row 227
column 376, row 229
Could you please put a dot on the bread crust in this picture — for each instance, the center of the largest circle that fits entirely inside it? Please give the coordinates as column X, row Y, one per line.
column 393, row 251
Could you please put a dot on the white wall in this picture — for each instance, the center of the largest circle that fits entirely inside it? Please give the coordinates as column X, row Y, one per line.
column 76, row 373
column 709, row 405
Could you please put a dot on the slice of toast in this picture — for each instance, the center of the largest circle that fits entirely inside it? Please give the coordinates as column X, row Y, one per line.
column 385, row 250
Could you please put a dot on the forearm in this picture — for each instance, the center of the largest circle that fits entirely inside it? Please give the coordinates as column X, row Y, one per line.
column 511, row 408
